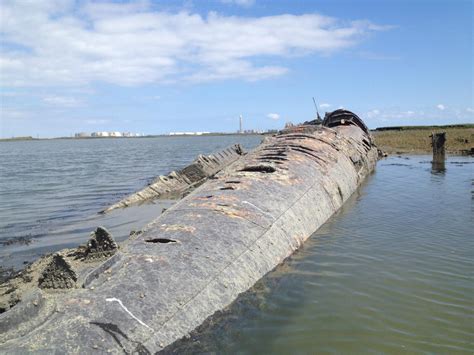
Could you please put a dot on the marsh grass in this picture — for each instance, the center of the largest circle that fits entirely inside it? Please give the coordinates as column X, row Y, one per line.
column 418, row 140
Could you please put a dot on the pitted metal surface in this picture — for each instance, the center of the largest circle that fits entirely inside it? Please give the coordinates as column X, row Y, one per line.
column 214, row 244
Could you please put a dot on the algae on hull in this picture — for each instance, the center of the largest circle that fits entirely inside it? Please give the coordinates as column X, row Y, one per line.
column 58, row 271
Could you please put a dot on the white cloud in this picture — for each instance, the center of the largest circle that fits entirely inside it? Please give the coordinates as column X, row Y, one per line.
column 61, row 101
column 392, row 114
column 273, row 116
column 9, row 94
column 65, row 43
column 245, row 3
column 373, row 113
column 470, row 110
column 101, row 9
column 441, row 107
column 12, row 114
column 420, row 115
column 325, row 105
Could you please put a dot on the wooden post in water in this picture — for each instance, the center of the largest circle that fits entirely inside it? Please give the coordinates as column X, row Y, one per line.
column 439, row 154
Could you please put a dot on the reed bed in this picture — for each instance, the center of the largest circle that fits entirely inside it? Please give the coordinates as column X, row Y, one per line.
column 418, row 140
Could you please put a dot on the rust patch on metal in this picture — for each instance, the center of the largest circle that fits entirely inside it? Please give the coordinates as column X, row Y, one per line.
column 177, row 228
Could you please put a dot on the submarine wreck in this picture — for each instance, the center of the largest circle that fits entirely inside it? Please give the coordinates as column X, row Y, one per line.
column 230, row 227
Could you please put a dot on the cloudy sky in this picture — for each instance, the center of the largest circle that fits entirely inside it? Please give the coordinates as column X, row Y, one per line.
column 160, row 66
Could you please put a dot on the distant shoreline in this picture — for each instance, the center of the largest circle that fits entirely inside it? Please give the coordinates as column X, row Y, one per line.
column 29, row 138
column 392, row 140
column 14, row 139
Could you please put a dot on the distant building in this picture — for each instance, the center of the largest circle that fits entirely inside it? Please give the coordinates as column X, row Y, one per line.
column 82, row 135
column 100, row 134
column 188, row 133
column 107, row 134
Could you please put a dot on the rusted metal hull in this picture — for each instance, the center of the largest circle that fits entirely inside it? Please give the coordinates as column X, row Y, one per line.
column 178, row 183
column 198, row 256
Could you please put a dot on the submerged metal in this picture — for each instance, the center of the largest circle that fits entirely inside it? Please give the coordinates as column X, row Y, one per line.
column 198, row 256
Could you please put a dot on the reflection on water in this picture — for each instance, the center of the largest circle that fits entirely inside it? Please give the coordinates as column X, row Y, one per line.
column 392, row 272
column 438, row 167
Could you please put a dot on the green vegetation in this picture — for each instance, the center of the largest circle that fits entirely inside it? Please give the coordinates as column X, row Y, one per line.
column 26, row 138
column 409, row 128
column 416, row 139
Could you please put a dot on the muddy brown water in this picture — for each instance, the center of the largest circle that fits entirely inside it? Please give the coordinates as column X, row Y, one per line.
column 391, row 272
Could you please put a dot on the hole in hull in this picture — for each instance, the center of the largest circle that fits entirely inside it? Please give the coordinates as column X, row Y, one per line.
column 260, row 169
column 161, row 240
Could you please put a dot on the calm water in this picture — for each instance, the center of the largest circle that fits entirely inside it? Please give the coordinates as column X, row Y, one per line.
column 392, row 272
column 51, row 191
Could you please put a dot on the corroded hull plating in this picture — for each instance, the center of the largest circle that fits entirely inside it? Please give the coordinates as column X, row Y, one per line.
column 198, row 256
column 178, row 183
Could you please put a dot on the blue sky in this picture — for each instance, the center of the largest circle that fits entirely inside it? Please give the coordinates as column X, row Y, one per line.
column 160, row 66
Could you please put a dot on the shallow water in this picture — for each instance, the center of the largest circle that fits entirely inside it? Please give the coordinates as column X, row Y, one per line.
column 52, row 190
column 391, row 272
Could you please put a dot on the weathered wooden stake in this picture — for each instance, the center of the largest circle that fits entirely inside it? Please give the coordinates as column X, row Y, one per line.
column 439, row 154
column 437, row 142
